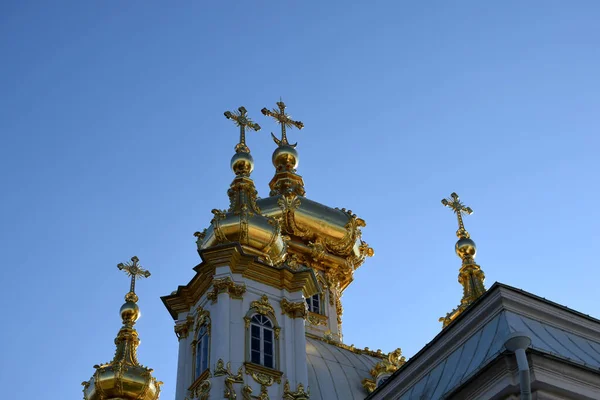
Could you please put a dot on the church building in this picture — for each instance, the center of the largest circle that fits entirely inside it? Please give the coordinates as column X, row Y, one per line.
column 262, row 317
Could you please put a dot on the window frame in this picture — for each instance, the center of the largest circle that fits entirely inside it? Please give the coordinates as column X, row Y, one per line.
column 262, row 324
column 202, row 336
column 310, row 301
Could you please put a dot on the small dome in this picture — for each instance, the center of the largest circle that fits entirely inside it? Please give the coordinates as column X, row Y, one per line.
column 465, row 248
column 242, row 163
column 285, row 158
column 123, row 382
column 130, row 312
column 244, row 223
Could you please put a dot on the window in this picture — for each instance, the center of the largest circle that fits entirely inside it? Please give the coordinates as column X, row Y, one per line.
column 314, row 303
column 262, row 341
column 201, row 351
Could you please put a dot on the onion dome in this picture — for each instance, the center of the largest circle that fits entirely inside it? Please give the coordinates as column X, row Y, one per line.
column 243, row 222
column 124, row 378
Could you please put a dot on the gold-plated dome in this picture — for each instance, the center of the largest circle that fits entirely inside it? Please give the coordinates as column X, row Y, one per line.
column 124, row 378
column 243, row 221
column 465, row 248
column 285, row 158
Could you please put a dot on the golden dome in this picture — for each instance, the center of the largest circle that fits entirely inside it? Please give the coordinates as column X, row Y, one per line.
column 465, row 248
column 243, row 222
column 124, row 378
column 242, row 163
column 285, row 158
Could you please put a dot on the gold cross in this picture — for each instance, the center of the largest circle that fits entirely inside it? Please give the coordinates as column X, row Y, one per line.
column 459, row 208
column 135, row 271
column 241, row 119
column 284, row 120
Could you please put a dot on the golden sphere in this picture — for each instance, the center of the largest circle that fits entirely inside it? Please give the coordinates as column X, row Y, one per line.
column 242, row 163
column 285, row 157
column 465, row 248
column 130, row 311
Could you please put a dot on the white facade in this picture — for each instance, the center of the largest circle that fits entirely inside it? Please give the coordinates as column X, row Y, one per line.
column 229, row 340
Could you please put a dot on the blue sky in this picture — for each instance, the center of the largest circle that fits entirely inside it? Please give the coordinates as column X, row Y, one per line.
column 114, row 144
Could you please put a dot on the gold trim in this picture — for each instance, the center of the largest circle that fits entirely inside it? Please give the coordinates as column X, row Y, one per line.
column 317, row 319
column 294, row 310
column 226, row 285
column 250, row 267
column 261, row 374
column 299, row 394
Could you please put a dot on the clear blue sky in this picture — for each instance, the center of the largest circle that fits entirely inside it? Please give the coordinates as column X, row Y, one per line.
column 114, row 144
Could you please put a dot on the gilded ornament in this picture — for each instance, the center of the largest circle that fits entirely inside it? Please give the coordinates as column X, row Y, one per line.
column 220, row 369
column 262, row 306
column 294, row 310
column 247, row 393
column 226, row 285
column 240, row 118
column 262, row 379
column 369, row 385
column 299, row 394
column 263, row 375
column 284, row 120
column 317, row 319
column 203, row 390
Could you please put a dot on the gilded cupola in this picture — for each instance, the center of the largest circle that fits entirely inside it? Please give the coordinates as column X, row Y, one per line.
column 324, row 238
column 124, row 378
column 470, row 275
column 243, row 222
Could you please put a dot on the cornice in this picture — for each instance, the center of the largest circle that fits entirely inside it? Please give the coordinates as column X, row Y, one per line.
column 240, row 262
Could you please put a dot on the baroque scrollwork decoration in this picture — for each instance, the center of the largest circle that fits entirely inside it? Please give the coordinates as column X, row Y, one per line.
column 230, row 378
column 317, row 319
column 383, row 368
column 201, row 391
column 226, row 285
column 294, row 310
column 299, row 394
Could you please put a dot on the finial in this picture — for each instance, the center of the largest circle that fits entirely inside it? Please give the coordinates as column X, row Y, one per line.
column 284, row 120
column 135, row 271
column 470, row 275
column 124, row 377
column 454, row 203
column 241, row 119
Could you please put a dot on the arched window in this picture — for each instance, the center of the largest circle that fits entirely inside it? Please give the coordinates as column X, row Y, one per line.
column 314, row 303
column 201, row 350
column 262, row 341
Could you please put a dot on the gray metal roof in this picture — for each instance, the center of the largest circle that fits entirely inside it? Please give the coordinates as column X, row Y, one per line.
column 488, row 342
column 336, row 373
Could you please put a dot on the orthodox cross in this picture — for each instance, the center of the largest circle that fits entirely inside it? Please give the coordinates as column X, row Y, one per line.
column 284, row 120
column 241, row 119
column 454, row 203
column 135, row 271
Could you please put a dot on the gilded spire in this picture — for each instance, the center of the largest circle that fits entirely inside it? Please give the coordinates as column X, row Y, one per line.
column 240, row 118
column 279, row 115
column 123, row 377
column 285, row 156
column 470, row 275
